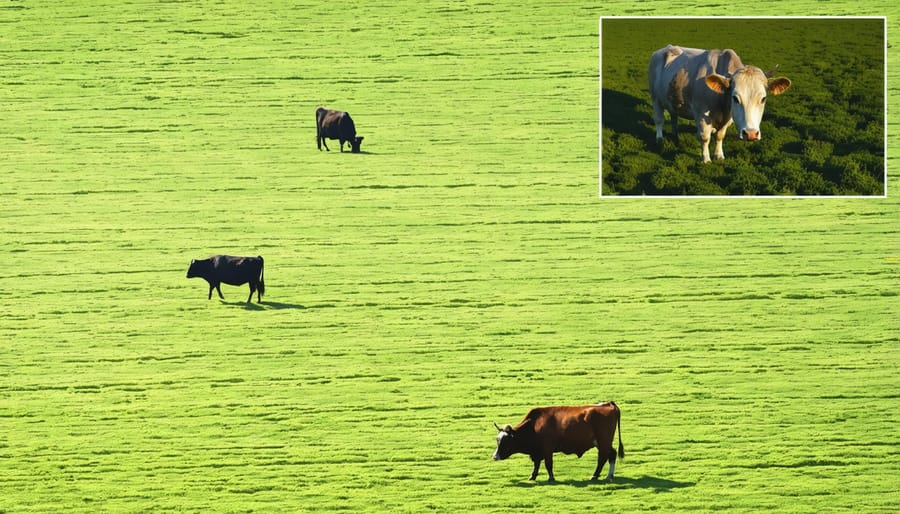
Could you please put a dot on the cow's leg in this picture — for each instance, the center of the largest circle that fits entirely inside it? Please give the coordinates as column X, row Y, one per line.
column 704, row 131
column 674, row 116
column 219, row 290
column 612, row 465
column 601, row 461
column 324, row 143
column 252, row 290
column 342, row 146
column 548, row 463
column 659, row 118
column 537, row 467
column 720, row 136
column 211, row 287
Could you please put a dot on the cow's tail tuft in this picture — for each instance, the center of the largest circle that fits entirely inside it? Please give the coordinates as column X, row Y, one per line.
column 619, row 429
column 262, row 285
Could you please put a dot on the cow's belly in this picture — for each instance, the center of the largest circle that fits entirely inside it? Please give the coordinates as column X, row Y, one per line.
column 570, row 448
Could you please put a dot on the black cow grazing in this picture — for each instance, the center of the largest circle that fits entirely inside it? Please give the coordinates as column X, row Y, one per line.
column 230, row 270
column 546, row 430
column 336, row 125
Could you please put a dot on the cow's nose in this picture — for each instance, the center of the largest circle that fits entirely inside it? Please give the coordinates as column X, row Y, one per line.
column 752, row 134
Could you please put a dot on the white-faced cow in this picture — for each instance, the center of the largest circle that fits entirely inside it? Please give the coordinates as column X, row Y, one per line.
column 546, row 430
column 712, row 87
column 231, row 270
column 336, row 125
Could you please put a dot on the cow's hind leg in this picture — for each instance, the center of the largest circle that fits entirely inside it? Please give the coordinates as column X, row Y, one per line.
column 252, row 290
column 219, row 290
column 659, row 119
column 612, row 465
column 601, row 461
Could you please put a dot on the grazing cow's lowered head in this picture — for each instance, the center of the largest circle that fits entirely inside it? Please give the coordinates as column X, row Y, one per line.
column 747, row 89
column 507, row 444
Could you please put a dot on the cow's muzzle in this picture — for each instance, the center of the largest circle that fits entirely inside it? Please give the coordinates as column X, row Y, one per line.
column 750, row 134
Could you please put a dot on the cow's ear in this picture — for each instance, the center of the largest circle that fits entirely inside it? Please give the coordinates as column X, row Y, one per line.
column 779, row 85
column 718, row 83
column 193, row 261
column 508, row 429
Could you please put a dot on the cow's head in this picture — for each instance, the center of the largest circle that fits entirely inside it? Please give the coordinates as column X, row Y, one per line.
column 354, row 144
column 198, row 268
column 506, row 442
column 747, row 88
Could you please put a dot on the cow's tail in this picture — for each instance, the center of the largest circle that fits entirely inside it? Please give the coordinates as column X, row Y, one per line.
column 262, row 285
column 619, row 429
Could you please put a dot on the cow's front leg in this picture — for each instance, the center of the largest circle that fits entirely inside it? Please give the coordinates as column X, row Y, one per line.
column 719, row 153
column 218, row 290
column 211, row 287
column 548, row 463
column 537, row 467
column 704, row 131
column 720, row 136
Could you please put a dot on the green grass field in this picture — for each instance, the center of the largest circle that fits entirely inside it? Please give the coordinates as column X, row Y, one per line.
column 458, row 272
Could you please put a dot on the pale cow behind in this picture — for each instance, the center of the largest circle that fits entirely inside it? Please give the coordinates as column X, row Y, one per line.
column 712, row 87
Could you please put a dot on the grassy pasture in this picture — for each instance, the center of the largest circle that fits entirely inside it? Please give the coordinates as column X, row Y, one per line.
column 824, row 136
column 456, row 273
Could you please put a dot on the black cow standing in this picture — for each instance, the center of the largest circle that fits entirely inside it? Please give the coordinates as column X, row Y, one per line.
column 230, row 270
column 336, row 125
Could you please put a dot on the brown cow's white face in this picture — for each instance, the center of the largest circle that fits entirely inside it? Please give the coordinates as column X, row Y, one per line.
column 505, row 443
column 748, row 88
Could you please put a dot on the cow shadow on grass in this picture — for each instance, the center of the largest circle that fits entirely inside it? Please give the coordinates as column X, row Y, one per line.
column 656, row 484
column 624, row 113
column 266, row 305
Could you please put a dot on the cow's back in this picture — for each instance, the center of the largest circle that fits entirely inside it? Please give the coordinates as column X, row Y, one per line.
column 677, row 77
column 573, row 429
column 236, row 270
column 335, row 124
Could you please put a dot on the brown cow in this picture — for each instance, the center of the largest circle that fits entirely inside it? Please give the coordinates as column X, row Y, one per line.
column 546, row 430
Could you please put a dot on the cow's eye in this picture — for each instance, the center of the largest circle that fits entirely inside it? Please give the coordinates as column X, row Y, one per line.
column 736, row 100
column 763, row 100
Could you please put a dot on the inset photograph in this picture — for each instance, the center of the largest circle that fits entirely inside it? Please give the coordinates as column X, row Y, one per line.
column 763, row 107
